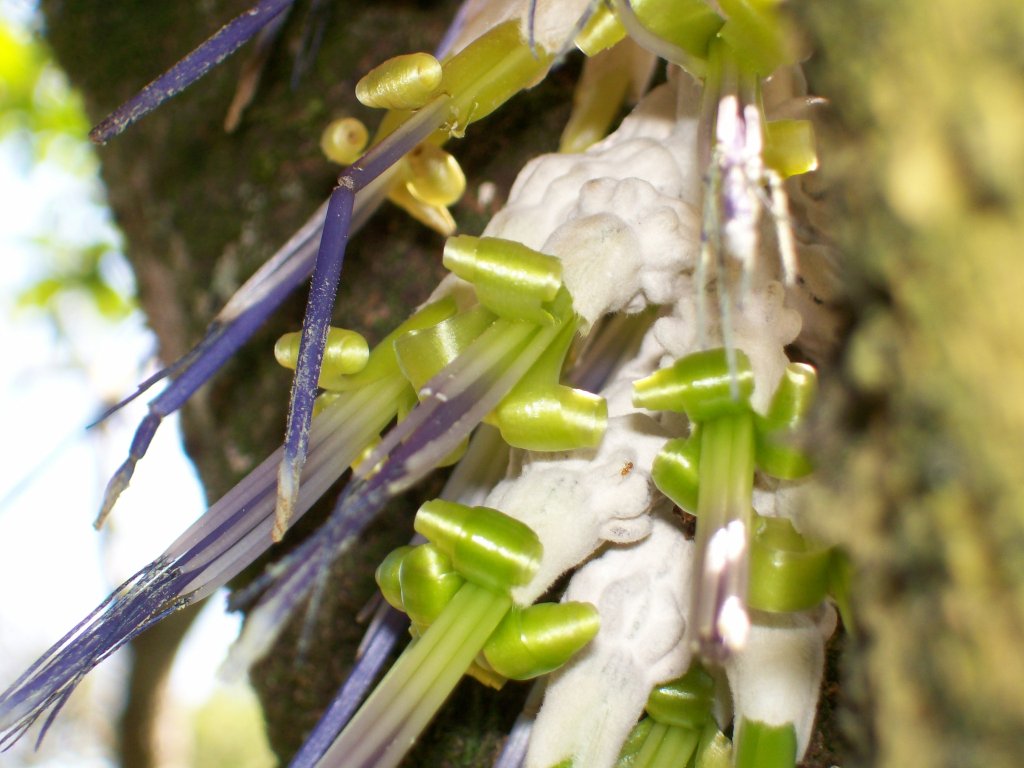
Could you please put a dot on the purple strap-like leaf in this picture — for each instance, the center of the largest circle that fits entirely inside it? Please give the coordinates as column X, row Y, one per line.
column 208, row 55
column 383, row 635
column 323, row 290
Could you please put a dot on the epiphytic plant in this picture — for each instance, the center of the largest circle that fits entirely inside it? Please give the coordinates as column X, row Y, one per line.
column 524, row 349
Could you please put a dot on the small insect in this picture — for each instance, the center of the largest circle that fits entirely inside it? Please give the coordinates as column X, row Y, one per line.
column 626, row 468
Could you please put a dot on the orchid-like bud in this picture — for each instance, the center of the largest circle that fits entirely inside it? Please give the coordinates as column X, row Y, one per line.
column 542, row 415
column 401, row 82
column 487, row 547
column 776, row 431
column 536, row 640
column 344, row 140
column 511, row 280
column 702, row 385
column 434, row 176
column 787, row 573
column 428, row 582
column 676, row 471
column 346, row 353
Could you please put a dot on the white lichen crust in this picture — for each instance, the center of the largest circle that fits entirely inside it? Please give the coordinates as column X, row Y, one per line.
column 643, row 595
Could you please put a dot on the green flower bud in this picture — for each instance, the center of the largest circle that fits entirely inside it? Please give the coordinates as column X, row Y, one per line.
column 536, row 640
column 786, row 572
column 684, row 702
column 486, row 546
column 676, row 472
column 701, row 385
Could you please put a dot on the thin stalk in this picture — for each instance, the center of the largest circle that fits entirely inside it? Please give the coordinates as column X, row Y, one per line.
column 409, row 695
column 667, row 746
column 723, row 534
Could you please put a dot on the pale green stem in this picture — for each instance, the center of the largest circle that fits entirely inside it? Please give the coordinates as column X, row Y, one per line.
column 388, row 724
column 723, row 534
column 667, row 746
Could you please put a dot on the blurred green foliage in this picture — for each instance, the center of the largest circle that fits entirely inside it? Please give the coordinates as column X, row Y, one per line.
column 43, row 120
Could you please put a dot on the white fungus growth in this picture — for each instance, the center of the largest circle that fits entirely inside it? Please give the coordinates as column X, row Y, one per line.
column 643, row 595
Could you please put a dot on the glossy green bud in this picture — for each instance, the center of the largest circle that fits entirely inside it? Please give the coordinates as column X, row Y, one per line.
column 346, row 353
column 557, row 419
column 676, row 472
column 777, row 452
column 786, row 572
column 759, row 745
column 793, row 397
column 424, row 353
column 539, row 414
column 756, row 36
column 386, row 576
column 602, row 30
column 684, row 702
column 511, row 280
column 789, row 147
column 401, row 82
column 486, row 546
column 714, row 750
column 344, row 140
column 776, row 456
column 536, row 640
column 428, row 583
column 634, row 743
column 383, row 362
column 434, row 176
column 701, row 385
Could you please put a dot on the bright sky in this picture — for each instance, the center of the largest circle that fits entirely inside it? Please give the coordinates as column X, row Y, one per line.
column 54, row 568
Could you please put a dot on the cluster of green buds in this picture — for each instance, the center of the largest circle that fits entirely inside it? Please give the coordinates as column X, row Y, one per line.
column 456, row 590
column 519, row 330
column 749, row 567
column 680, row 727
column 744, row 560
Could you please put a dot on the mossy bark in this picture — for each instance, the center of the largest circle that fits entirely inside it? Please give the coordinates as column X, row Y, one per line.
column 927, row 489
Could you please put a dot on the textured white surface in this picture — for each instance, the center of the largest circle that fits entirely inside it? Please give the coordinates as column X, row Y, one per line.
column 643, row 594
column 777, row 677
column 578, row 500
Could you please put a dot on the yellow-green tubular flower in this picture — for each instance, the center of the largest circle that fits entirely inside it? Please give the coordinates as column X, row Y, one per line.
column 401, row 82
column 435, row 176
column 536, row 640
column 542, row 415
column 346, row 353
column 678, row 729
column 344, row 140
column 511, row 280
column 419, row 581
column 787, row 573
column 701, row 385
column 487, row 547
column 777, row 453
